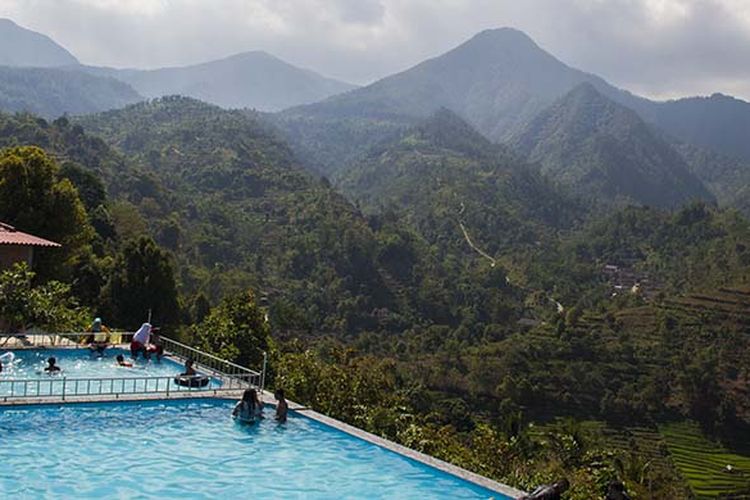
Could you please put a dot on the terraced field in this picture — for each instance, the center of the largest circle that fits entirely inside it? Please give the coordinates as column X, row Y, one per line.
column 703, row 463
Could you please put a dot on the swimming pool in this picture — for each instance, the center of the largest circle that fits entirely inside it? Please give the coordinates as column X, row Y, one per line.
column 193, row 449
column 29, row 364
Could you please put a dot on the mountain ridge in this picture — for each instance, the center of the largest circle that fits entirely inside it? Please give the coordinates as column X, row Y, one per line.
column 251, row 79
column 20, row 46
column 599, row 147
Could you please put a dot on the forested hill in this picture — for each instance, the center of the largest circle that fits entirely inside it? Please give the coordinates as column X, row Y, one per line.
column 228, row 200
column 53, row 92
column 237, row 211
column 606, row 151
column 447, row 178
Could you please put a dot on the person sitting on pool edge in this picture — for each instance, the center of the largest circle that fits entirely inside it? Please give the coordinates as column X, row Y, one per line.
column 140, row 341
column 121, row 362
column 52, row 365
column 247, row 408
column 281, row 406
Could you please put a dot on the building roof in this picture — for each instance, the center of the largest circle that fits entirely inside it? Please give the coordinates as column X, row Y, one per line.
column 9, row 235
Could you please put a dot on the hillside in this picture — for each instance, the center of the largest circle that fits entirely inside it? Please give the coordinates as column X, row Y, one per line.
column 446, row 178
column 719, row 122
column 52, row 92
column 604, row 150
column 23, row 47
column 726, row 177
column 254, row 80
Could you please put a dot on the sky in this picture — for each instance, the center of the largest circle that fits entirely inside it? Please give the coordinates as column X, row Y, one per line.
column 656, row 48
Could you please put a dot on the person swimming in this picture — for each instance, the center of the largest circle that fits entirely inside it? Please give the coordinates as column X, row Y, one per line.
column 121, row 362
column 52, row 365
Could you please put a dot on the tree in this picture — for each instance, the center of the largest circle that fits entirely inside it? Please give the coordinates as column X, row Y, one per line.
column 47, row 307
column 236, row 329
column 35, row 199
column 142, row 280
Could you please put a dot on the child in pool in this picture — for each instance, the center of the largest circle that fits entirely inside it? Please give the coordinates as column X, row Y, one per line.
column 52, row 365
column 121, row 362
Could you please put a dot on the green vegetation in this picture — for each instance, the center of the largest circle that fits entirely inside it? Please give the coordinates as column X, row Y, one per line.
column 711, row 470
column 47, row 307
column 605, row 151
column 459, row 305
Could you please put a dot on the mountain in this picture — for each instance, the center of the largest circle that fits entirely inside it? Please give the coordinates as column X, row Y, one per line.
column 52, row 92
column 255, row 80
column 719, row 122
column 22, row 47
column 602, row 149
column 497, row 81
column 454, row 185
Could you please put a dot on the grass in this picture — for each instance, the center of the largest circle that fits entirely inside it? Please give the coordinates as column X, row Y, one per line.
column 703, row 463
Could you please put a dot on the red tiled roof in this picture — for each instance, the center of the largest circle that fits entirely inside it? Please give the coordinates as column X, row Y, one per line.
column 9, row 235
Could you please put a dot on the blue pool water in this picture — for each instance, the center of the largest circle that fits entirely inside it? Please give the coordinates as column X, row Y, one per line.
column 193, row 449
column 81, row 364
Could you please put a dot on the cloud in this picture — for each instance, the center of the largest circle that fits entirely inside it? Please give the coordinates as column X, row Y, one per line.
column 661, row 48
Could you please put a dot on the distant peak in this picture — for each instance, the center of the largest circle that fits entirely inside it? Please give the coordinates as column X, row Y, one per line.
column 504, row 35
column 7, row 22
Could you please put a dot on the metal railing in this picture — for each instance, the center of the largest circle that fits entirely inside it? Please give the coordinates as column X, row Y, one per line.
column 224, row 375
column 63, row 387
column 208, row 362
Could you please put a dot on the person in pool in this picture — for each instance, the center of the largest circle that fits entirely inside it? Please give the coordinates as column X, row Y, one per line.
column 156, row 346
column 98, row 343
column 282, row 408
column 52, row 365
column 121, row 362
column 189, row 370
column 246, row 409
column 140, row 341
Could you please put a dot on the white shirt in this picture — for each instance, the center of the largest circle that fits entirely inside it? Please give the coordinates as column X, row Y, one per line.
column 143, row 334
